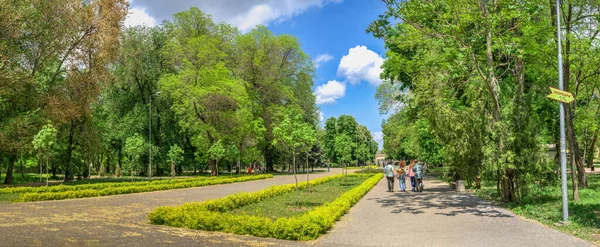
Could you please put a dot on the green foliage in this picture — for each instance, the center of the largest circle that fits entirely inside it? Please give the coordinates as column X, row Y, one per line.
column 95, row 190
column 212, row 215
column 175, row 154
column 45, row 139
column 362, row 147
column 293, row 133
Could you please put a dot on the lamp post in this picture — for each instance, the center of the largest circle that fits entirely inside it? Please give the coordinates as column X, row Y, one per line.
column 563, row 145
column 150, row 135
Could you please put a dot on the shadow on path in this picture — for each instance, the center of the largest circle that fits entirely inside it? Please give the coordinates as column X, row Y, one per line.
column 438, row 197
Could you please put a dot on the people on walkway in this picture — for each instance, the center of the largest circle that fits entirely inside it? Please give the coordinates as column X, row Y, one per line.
column 418, row 170
column 411, row 174
column 389, row 174
column 401, row 175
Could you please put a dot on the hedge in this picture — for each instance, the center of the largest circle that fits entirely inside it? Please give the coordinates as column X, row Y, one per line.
column 45, row 196
column 213, row 216
column 99, row 186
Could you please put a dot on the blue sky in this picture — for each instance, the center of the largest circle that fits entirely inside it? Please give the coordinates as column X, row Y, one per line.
column 332, row 32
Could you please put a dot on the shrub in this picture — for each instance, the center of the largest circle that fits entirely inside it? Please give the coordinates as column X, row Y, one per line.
column 99, row 186
column 129, row 188
column 212, row 215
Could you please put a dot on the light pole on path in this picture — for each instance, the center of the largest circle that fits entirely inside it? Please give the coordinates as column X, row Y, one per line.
column 563, row 146
column 150, row 135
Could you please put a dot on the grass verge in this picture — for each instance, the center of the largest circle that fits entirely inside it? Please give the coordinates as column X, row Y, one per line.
column 544, row 204
column 221, row 215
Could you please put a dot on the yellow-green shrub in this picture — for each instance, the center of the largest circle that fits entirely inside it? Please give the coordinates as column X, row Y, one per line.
column 98, row 186
column 135, row 188
column 212, row 215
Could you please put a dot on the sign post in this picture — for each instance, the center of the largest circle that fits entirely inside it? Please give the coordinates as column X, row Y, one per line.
column 560, row 95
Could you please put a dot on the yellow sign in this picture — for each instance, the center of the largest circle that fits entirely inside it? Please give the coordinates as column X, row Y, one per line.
column 560, row 95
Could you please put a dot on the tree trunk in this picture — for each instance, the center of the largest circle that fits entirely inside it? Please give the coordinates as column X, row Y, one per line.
column 9, row 170
column 269, row 154
column 173, row 173
column 119, row 164
column 570, row 108
column 213, row 167
column 69, row 170
column 307, row 173
column 592, row 152
column 573, row 180
column 107, row 171
column 295, row 177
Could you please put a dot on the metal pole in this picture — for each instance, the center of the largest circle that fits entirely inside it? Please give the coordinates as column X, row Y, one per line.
column 150, row 138
column 563, row 145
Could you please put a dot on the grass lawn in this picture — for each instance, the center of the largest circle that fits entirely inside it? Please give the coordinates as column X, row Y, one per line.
column 284, row 205
column 544, row 204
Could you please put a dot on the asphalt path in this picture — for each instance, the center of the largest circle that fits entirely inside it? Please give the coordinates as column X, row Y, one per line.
column 437, row 217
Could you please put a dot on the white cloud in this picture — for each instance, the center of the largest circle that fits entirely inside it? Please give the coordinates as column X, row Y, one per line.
column 322, row 58
column 378, row 137
column 321, row 117
column 330, row 91
column 139, row 17
column 361, row 64
column 244, row 14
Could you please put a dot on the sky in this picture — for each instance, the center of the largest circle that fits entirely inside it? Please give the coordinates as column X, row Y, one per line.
column 332, row 32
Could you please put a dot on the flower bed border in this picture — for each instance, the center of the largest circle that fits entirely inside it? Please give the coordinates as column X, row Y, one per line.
column 135, row 188
column 213, row 215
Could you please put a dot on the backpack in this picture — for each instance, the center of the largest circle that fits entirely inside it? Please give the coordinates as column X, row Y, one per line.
column 418, row 171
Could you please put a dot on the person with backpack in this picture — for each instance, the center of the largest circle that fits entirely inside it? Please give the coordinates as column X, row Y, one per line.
column 418, row 170
column 389, row 174
column 401, row 175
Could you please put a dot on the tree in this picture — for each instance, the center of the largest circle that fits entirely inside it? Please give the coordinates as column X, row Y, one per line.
column 295, row 135
column 43, row 143
column 479, row 91
column 275, row 70
column 134, row 148
column 343, row 147
column 175, row 156
column 216, row 152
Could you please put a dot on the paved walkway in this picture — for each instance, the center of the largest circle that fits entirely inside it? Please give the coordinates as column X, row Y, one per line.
column 121, row 220
column 439, row 217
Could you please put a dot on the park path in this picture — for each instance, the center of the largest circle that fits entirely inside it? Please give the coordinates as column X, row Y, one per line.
column 437, row 217
column 121, row 220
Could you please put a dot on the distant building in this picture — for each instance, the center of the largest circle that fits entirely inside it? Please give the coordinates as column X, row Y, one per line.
column 379, row 158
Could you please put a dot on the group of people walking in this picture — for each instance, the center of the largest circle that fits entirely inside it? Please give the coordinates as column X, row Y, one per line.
column 414, row 171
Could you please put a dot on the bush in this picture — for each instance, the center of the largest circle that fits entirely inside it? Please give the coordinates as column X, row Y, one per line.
column 128, row 188
column 212, row 215
column 99, row 186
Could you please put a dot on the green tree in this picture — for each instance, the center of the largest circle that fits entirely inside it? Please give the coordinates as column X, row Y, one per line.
column 294, row 134
column 175, row 156
column 43, row 142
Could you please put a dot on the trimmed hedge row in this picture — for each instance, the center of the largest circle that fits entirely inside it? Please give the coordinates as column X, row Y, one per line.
column 212, row 215
column 45, row 196
column 99, row 186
